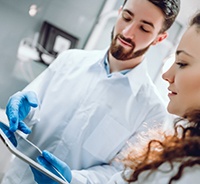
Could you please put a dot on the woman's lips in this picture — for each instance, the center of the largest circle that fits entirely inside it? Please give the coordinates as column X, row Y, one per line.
column 172, row 93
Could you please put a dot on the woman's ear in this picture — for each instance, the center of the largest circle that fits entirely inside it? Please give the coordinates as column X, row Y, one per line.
column 160, row 38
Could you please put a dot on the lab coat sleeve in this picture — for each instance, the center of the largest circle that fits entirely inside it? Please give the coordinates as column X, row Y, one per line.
column 40, row 85
column 94, row 175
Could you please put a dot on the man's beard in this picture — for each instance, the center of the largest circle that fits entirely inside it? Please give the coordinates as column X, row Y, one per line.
column 119, row 53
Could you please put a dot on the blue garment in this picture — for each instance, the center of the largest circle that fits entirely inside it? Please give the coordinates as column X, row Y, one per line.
column 85, row 117
column 107, row 67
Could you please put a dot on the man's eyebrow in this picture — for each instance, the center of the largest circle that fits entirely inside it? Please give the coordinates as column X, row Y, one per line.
column 149, row 23
column 126, row 10
column 184, row 52
column 144, row 21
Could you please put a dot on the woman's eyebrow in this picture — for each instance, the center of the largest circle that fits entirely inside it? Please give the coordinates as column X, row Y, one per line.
column 178, row 52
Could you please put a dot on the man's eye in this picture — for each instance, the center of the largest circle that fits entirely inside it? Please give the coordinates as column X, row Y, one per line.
column 126, row 17
column 144, row 29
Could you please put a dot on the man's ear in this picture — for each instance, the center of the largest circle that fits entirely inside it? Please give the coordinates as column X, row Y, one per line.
column 160, row 38
column 120, row 9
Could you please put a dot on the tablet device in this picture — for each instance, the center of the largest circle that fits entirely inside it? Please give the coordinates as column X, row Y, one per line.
column 28, row 153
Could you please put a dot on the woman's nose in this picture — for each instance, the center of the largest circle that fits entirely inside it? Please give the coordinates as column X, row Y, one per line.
column 169, row 75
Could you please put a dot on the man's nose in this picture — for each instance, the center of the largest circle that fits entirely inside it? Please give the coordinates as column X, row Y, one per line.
column 130, row 31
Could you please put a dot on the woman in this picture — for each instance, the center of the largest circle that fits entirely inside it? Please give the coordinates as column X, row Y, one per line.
column 173, row 158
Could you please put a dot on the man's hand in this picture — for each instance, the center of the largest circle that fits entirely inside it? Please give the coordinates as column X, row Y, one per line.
column 48, row 160
column 18, row 107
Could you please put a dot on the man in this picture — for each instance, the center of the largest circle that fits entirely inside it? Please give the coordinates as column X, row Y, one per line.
column 92, row 102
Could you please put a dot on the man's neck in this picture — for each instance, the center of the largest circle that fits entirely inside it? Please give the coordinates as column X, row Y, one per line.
column 119, row 65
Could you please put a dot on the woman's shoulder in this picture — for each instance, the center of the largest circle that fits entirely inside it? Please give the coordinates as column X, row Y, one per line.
column 162, row 175
column 190, row 175
column 117, row 179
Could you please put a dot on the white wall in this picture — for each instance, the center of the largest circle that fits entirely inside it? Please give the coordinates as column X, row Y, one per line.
column 74, row 16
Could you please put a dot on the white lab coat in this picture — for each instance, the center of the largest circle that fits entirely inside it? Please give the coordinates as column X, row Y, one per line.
column 162, row 176
column 84, row 117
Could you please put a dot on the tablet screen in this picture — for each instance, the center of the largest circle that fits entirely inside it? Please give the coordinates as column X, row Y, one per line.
column 29, row 153
column 27, row 148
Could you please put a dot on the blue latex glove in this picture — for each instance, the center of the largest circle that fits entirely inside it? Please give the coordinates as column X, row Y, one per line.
column 18, row 107
column 45, row 160
column 8, row 133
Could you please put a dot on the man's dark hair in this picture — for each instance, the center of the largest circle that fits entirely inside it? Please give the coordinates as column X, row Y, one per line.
column 170, row 9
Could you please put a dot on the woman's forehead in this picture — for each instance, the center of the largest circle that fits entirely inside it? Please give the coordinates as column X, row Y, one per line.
column 190, row 42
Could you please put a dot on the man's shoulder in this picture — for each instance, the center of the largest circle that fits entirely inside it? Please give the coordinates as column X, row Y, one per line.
column 82, row 53
column 77, row 57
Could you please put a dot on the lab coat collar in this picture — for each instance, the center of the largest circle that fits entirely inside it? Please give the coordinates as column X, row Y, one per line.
column 104, row 61
column 98, row 59
column 138, row 76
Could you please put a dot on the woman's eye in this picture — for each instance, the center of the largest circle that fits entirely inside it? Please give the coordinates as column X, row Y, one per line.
column 181, row 64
